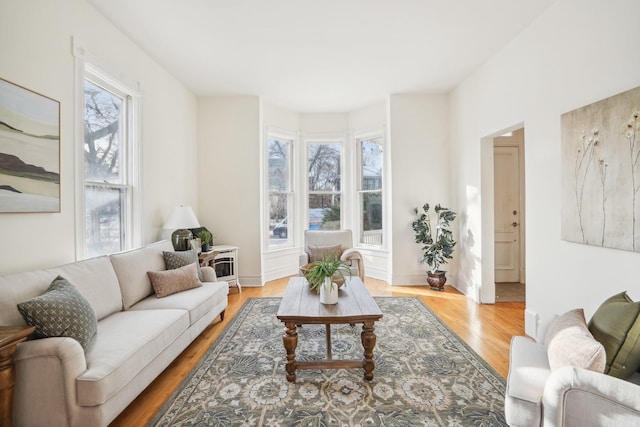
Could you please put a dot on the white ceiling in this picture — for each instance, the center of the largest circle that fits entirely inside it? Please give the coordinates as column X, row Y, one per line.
column 323, row 55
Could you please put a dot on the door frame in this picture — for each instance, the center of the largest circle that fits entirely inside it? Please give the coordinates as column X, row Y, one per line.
column 486, row 294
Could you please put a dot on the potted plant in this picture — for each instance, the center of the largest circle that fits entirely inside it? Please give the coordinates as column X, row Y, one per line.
column 206, row 238
column 439, row 248
column 322, row 274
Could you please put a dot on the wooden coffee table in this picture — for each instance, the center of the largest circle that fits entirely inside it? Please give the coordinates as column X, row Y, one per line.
column 301, row 306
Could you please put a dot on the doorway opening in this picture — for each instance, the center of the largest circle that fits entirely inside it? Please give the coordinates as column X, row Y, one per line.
column 509, row 217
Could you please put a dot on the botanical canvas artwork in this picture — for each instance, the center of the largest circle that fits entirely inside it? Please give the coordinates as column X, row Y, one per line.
column 29, row 151
column 601, row 174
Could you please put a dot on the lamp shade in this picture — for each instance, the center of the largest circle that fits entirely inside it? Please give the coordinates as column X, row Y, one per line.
column 181, row 217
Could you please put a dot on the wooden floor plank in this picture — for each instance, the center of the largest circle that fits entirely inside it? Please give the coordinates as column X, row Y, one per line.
column 487, row 328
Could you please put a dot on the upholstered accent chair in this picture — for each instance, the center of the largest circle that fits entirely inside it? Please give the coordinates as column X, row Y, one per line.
column 318, row 243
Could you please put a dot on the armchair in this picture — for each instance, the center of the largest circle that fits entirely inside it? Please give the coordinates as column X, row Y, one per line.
column 319, row 242
column 568, row 396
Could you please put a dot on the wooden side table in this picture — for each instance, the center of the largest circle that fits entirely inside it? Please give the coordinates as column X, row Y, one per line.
column 10, row 336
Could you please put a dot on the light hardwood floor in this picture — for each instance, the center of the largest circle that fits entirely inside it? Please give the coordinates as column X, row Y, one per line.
column 486, row 328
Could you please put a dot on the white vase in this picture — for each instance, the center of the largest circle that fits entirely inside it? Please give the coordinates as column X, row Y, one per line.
column 328, row 292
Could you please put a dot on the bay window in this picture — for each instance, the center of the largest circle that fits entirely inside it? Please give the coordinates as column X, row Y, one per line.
column 279, row 192
column 370, row 190
column 324, row 190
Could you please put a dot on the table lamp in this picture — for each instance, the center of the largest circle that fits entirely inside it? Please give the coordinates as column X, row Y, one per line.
column 181, row 218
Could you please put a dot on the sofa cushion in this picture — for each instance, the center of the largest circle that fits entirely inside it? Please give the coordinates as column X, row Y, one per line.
column 169, row 282
column 616, row 325
column 569, row 343
column 197, row 301
column 131, row 268
column 177, row 259
column 97, row 282
column 94, row 278
column 61, row 311
column 317, row 253
column 126, row 342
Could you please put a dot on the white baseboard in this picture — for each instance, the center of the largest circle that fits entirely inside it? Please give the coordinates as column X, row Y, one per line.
column 251, row 281
column 531, row 323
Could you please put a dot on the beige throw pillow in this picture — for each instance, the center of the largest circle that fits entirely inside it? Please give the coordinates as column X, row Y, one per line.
column 569, row 343
column 169, row 282
column 317, row 253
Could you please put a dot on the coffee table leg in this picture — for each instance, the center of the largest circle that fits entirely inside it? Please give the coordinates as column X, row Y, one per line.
column 368, row 342
column 290, row 340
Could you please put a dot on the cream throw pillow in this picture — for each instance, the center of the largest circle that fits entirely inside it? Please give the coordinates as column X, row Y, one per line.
column 569, row 343
column 173, row 281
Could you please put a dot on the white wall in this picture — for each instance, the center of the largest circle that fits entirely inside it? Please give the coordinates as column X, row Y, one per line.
column 281, row 262
column 576, row 53
column 324, row 122
column 370, row 117
column 420, row 164
column 373, row 118
column 35, row 41
column 229, row 177
column 281, row 118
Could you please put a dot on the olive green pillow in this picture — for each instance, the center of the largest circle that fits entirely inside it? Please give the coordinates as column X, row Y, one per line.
column 616, row 325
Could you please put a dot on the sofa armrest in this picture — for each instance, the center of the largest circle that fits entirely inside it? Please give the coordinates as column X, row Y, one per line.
column 209, row 274
column 578, row 397
column 355, row 257
column 46, row 373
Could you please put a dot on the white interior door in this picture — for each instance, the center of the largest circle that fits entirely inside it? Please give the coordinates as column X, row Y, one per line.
column 507, row 213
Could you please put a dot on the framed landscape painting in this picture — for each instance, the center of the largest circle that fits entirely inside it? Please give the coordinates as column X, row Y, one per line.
column 29, row 151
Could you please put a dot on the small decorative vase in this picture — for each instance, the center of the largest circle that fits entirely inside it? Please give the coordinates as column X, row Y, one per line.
column 437, row 279
column 328, row 292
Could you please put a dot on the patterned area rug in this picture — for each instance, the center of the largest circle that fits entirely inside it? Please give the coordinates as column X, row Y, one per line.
column 425, row 376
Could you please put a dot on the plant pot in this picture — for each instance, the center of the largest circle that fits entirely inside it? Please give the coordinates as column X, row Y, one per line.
column 436, row 279
column 328, row 292
column 206, row 247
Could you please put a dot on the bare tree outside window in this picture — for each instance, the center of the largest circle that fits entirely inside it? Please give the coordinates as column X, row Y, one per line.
column 370, row 191
column 324, row 185
column 106, row 192
column 280, row 196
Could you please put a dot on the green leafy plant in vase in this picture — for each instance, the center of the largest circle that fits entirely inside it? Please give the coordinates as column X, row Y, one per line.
column 206, row 238
column 322, row 274
column 437, row 249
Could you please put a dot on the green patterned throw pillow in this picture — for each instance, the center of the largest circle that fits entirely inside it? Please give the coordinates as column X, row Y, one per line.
column 61, row 311
column 173, row 260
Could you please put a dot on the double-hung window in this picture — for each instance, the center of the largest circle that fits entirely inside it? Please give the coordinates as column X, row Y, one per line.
column 370, row 187
column 280, row 194
column 110, row 170
column 324, row 188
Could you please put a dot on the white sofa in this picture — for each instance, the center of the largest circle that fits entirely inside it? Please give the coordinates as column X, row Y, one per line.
column 138, row 336
column 569, row 396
